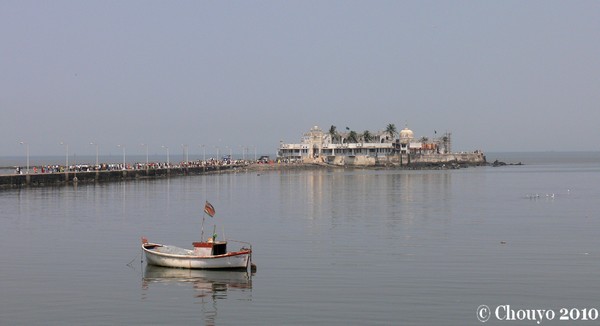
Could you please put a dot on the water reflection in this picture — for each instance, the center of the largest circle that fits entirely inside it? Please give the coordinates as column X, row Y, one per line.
column 209, row 286
column 206, row 282
column 402, row 195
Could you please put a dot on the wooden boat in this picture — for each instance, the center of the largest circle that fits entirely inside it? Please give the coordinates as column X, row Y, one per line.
column 210, row 254
column 205, row 255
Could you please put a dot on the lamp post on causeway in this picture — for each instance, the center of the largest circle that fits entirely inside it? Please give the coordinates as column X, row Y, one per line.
column 167, row 148
column 27, row 149
column 203, row 152
column 66, row 157
column 243, row 152
column 96, row 144
column 186, row 156
column 146, row 154
column 123, row 147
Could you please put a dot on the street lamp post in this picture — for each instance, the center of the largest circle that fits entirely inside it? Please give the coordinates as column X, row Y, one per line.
column 123, row 147
column 66, row 157
column 203, row 152
column 92, row 143
column 167, row 148
column 243, row 152
column 186, row 156
column 146, row 155
column 27, row 149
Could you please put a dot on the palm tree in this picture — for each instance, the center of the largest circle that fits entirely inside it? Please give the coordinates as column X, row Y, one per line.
column 333, row 133
column 367, row 137
column 352, row 137
column 391, row 130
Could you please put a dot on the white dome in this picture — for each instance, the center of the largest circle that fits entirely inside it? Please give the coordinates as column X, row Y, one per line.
column 406, row 134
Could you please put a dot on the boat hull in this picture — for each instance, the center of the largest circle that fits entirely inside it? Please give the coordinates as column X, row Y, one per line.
column 167, row 256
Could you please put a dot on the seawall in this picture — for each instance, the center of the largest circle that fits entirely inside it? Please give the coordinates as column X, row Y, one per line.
column 405, row 160
column 61, row 178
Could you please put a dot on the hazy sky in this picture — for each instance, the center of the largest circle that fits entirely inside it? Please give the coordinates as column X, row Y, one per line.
column 500, row 75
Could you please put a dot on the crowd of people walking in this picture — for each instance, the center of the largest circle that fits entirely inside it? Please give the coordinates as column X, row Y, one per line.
column 136, row 166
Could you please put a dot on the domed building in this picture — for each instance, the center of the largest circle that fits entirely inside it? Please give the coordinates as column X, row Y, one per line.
column 350, row 148
column 406, row 136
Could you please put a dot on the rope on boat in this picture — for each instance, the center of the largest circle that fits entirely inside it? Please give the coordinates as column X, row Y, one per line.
column 134, row 258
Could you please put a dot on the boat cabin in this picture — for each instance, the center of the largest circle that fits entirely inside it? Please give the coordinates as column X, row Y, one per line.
column 210, row 248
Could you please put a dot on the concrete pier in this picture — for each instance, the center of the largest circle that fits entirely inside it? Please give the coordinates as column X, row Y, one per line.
column 61, row 178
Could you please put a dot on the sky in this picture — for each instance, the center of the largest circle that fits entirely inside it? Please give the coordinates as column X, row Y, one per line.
column 500, row 75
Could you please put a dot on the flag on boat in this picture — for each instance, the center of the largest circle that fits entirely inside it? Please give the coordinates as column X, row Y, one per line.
column 209, row 209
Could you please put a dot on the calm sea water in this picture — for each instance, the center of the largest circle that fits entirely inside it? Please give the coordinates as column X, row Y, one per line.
column 332, row 247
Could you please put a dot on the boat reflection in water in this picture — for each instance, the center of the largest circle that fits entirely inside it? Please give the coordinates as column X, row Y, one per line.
column 208, row 285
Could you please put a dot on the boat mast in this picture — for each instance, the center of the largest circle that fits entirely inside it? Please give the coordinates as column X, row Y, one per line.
column 202, row 229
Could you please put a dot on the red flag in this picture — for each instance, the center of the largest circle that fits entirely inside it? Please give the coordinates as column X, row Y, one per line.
column 209, row 209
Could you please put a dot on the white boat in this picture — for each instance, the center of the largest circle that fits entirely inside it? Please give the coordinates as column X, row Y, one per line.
column 205, row 255
column 210, row 254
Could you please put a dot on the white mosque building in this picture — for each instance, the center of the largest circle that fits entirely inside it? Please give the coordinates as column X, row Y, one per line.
column 317, row 146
